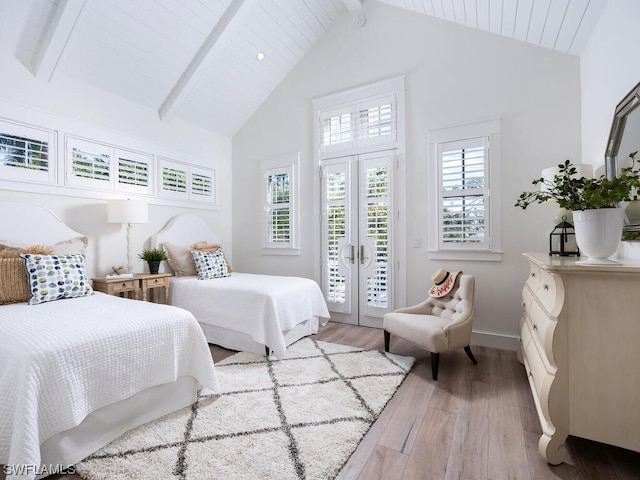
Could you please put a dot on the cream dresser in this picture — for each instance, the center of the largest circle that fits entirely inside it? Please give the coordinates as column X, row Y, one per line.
column 580, row 335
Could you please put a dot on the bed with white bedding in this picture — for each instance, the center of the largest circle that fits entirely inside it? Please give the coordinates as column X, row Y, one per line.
column 243, row 311
column 76, row 373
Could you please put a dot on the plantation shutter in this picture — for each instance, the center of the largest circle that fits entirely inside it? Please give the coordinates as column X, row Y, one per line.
column 376, row 121
column 463, row 208
column 202, row 184
column 337, row 129
column 134, row 172
column 89, row 164
column 173, row 179
column 278, row 207
column 24, row 152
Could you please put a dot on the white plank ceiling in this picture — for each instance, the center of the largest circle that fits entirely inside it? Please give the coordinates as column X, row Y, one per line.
column 196, row 59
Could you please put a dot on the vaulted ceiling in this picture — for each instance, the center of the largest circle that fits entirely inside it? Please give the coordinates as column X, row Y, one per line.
column 198, row 59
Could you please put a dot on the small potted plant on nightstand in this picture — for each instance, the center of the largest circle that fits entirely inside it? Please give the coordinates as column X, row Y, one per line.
column 153, row 256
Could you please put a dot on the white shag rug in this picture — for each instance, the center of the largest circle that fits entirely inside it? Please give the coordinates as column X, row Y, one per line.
column 296, row 418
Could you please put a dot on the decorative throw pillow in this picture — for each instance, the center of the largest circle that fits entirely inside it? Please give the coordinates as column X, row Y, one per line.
column 210, row 247
column 210, row 264
column 54, row 277
column 77, row 245
column 13, row 281
column 15, row 252
column 180, row 259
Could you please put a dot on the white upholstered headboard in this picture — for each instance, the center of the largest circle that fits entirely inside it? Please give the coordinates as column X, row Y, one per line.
column 185, row 229
column 26, row 223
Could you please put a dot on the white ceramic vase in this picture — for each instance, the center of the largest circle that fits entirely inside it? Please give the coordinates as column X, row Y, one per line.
column 598, row 233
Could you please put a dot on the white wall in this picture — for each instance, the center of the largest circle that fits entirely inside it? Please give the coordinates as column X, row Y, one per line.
column 453, row 75
column 609, row 70
column 66, row 105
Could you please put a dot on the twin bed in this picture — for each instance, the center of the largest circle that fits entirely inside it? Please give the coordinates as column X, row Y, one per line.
column 78, row 372
column 245, row 312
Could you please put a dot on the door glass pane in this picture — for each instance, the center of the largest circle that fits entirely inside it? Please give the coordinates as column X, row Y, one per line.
column 377, row 189
column 336, row 230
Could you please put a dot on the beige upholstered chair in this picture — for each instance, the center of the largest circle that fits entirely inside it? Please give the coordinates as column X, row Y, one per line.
column 436, row 324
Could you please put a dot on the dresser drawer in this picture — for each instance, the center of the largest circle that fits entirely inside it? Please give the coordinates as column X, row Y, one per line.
column 534, row 277
column 548, row 292
column 542, row 327
column 535, row 365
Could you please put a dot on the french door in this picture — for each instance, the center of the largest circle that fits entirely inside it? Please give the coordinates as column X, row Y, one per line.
column 357, row 237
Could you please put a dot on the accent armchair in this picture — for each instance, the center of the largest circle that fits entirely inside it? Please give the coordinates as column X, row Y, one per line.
column 436, row 324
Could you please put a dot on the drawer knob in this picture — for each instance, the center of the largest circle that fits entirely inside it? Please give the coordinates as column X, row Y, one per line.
column 533, row 274
column 545, row 287
column 124, row 285
column 535, row 327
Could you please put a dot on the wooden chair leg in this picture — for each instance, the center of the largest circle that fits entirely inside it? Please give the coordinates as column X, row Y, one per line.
column 435, row 360
column 467, row 350
column 387, row 339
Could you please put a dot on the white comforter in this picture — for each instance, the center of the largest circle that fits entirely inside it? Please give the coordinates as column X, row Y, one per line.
column 262, row 306
column 62, row 360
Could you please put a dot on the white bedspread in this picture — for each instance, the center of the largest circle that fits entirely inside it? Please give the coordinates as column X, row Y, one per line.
column 62, row 360
column 262, row 306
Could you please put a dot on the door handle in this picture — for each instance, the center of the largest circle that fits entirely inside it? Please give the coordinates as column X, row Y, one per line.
column 361, row 254
column 353, row 254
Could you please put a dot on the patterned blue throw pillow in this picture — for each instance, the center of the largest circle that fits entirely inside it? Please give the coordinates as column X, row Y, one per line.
column 210, row 264
column 53, row 277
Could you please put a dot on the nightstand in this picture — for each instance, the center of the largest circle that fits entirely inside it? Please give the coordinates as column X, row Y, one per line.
column 123, row 287
column 151, row 281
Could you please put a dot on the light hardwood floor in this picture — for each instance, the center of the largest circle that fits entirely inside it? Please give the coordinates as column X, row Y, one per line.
column 476, row 422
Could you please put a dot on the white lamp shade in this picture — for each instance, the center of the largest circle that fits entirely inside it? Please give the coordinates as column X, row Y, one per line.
column 582, row 170
column 127, row 211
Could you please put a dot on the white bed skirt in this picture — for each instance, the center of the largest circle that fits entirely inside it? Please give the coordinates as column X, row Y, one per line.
column 244, row 343
column 108, row 423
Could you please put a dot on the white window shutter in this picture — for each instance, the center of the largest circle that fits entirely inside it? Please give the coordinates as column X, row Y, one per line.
column 27, row 153
column 89, row 164
column 134, row 172
column 202, row 185
column 463, row 212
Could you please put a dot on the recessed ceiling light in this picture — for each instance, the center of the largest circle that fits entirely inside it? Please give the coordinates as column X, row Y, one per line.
column 260, row 55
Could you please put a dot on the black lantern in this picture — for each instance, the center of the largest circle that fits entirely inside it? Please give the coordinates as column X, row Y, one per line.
column 562, row 240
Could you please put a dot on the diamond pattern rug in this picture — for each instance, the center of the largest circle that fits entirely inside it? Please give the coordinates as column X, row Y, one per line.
column 297, row 418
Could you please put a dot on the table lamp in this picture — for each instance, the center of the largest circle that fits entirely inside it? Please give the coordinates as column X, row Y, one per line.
column 129, row 212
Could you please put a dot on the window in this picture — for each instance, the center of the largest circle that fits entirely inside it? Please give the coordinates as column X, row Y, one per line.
column 185, row 182
column 465, row 163
column 89, row 164
column 280, row 177
column 105, row 167
column 27, row 153
column 358, row 127
column 134, row 171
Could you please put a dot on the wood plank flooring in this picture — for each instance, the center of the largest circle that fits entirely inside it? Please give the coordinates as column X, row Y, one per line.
column 476, row 422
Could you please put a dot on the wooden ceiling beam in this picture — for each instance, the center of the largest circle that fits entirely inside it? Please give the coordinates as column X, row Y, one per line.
column 56, row 38
column 229, row 21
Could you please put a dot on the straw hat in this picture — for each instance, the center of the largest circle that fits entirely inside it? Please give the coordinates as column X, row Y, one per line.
column 443, row 283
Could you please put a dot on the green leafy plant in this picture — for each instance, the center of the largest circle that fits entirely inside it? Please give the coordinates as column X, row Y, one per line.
column 153, row 255
column 581, row 193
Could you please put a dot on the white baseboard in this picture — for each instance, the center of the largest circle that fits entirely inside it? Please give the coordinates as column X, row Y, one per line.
column 495, row 340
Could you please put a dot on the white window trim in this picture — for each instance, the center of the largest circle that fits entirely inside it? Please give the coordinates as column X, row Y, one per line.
column 34, row 133
column 384, row 91
column 493, row 250
column 39, row 125
column 291, row 164
column 390, row 87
